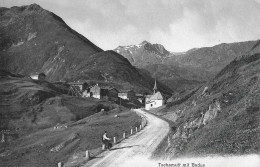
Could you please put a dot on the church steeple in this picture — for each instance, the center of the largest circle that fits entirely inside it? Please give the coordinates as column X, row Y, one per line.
column 155, row 87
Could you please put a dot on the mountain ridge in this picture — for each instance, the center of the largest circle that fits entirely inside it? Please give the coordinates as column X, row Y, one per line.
column 197, row 64
column 35, row 40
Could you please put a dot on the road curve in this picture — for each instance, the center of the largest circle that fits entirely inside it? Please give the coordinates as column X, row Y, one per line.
column 141, row 144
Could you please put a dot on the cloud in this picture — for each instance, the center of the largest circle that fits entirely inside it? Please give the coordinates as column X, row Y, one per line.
column 207, row 23
column 108, row 38
column 178, row 24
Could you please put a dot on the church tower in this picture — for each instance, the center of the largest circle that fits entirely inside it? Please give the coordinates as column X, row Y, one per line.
column 155, row 87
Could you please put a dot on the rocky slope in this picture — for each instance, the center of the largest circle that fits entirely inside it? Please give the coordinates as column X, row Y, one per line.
column 34, row 40
column 185, row 70
column 221, row 117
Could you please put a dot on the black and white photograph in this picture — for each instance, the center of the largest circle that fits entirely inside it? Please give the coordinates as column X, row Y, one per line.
column 129, row 83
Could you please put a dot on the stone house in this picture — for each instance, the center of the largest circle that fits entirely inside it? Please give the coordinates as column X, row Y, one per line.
column 81, row 86
column 101, row 92
column 127, row 94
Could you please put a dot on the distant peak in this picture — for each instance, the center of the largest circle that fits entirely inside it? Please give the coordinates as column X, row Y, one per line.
column 34, row 7
column 144, row 42
column 157, row 49
column 27, row 8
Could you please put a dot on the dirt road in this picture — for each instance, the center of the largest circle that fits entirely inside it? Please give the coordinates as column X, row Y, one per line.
column 141, row 144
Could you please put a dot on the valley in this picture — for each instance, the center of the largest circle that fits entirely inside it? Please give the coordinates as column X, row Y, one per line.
column 59, row 93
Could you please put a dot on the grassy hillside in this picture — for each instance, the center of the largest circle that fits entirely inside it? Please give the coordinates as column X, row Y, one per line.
column 224, row 119
column 66, row 142
column 26, row 104
column 46, row 126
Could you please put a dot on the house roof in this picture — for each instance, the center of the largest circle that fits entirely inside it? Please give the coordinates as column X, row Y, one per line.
column 94, row 87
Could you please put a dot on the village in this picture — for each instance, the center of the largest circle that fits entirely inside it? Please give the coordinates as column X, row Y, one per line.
column 97, row 91
column 103, row 92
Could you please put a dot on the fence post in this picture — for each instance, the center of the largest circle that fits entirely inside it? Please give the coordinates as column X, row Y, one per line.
column 140, row 126
column 60, row 164
column 131, row 131
column 124, row 135
column 136, row 129
column 3, row 138
column 87, row 155
column 103, row 146
column 115, row 140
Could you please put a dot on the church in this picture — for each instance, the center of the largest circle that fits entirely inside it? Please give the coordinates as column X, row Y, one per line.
column 155, row 100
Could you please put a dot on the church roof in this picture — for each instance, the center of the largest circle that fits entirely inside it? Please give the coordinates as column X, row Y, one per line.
column 156, row 96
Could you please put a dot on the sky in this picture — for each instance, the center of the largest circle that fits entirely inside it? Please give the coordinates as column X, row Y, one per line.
column 179, row 25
